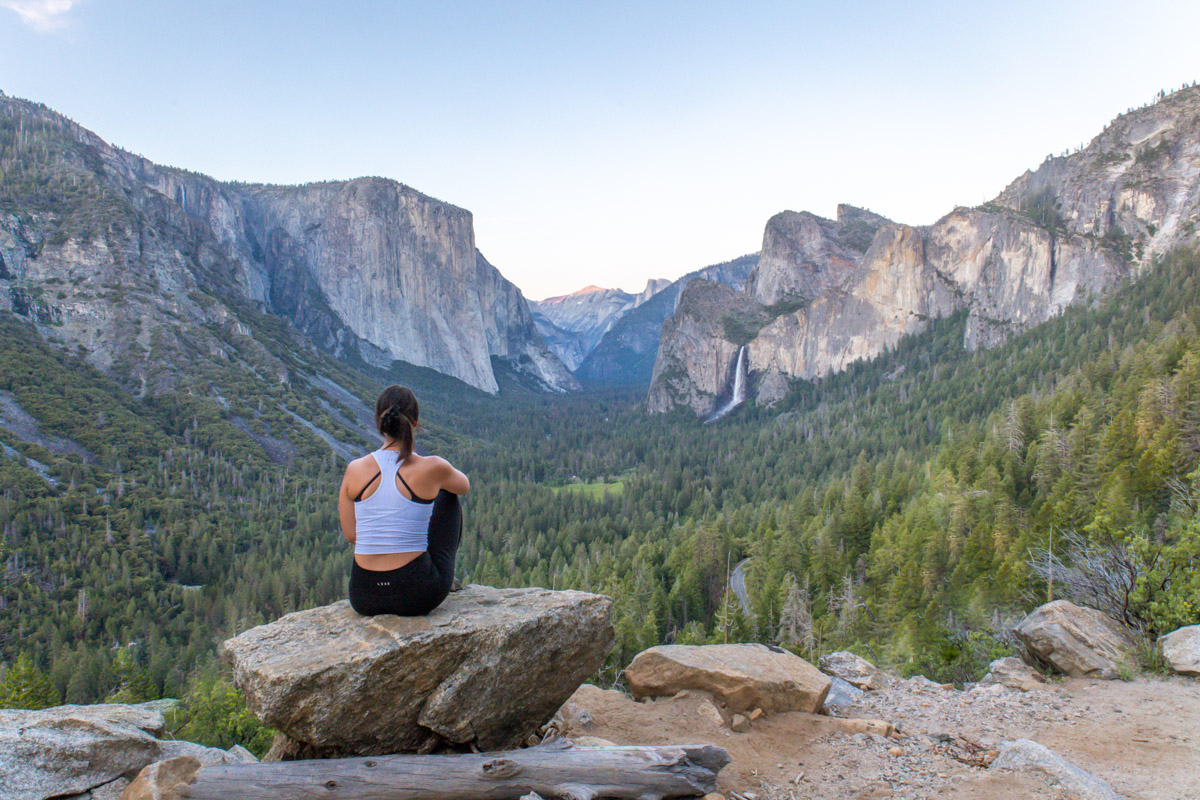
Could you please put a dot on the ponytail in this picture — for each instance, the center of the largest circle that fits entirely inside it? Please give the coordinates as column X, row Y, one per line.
column 396, row 415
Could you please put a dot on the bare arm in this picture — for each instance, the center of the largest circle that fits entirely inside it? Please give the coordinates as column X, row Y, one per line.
column 451, row 479
column 346, row 508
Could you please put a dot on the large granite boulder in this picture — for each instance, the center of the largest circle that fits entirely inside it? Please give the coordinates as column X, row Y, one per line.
column 484, row 669
column 88, row 751
column 1013, row 673
column 1025, row 755
column 1181, row 649
column 855, row 670
column 743, row 676
column 842, row 693
column 1077, row 641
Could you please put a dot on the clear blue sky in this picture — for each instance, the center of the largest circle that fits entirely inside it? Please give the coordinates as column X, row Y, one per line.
column 606, row 142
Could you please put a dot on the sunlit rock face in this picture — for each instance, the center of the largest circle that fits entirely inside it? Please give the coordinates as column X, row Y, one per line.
column 626, row 354
column 367, row 268
column 1068, row 231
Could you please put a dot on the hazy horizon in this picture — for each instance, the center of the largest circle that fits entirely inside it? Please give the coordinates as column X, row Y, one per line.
column 605, row 145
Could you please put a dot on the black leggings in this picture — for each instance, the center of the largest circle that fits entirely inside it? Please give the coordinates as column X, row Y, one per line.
column 423, row 583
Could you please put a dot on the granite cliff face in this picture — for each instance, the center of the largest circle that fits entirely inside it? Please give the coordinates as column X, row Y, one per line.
column 836, row 291
column 573, row 324
column 625, row 355
column 136, row 263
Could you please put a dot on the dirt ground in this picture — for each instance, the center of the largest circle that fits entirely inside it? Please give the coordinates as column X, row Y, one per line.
column 1142, row 736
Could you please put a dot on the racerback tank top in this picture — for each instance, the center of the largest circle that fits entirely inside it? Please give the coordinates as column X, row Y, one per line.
column 387, row 521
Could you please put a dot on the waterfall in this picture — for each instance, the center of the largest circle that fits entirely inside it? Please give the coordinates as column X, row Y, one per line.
column 739, row 387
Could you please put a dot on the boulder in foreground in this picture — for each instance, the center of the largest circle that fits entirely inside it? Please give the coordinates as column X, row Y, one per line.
column 1027, row 755
column 855, row 670
column 72, row 750
column 1181, row 649
column 486, row 668
column 1015, row 674
column 1077, row 641
column 743, row 676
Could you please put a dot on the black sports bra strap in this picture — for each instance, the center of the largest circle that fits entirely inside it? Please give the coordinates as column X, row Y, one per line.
column 411, row 494
column 368, row 486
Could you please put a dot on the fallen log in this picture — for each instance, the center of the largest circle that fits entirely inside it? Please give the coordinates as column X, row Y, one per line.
column 556, row 769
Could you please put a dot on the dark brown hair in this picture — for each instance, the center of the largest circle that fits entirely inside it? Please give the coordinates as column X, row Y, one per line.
column 396, row 414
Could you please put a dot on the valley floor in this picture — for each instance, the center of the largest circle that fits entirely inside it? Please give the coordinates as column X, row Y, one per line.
column 1142, row 736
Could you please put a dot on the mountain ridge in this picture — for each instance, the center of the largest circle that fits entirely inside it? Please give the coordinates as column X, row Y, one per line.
column 367, row 267
column 1076, row 226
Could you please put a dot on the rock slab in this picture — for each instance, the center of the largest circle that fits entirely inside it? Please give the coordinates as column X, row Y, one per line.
column 1181, row 649
column 743, row 676
column 1028, row 755
column 1077, row 641
column 1013, row 673
column 85, row 750
column 855, row 670
column 842, row 693
column 486, row 668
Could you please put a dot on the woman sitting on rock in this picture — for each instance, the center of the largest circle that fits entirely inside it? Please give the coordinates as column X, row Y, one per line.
column 404, row 544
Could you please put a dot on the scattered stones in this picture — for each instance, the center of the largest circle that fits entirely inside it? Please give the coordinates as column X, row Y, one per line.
column 1181, row 649
column 1077, row 641
column 739, row 724
column 743, row 676
column 755, row 714
column 486, row 668
column 1015, row 674
column 1024, row 754
column 855, row 670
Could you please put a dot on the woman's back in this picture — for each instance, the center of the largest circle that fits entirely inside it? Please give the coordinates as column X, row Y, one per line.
column 401, row 512
column 390, row 517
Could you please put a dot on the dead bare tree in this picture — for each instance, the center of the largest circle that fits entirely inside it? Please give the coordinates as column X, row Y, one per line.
column 1099, row 574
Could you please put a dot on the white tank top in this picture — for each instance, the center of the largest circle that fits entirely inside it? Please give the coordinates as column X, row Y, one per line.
column 387, row 521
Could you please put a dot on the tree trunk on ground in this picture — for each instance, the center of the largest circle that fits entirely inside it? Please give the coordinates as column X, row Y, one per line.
column 556, row 769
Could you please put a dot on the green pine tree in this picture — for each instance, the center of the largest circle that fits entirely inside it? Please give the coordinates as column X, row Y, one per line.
column 26, row 686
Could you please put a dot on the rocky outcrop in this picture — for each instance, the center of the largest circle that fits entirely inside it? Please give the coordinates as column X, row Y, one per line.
column 485, row 669
column 848, row 289
column 742, row 676
column 699, row 347
column 1025, row 755
column 1181, row 649
column 153, row 259
column 841, row 693
column 855, row 670
column 803, row 255
column 626, row 354
column 88, row 750
column 1013, row 673
column 1076, row 641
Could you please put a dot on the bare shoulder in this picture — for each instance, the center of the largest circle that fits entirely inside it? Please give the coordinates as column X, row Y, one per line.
column 364, row 467
column 435, row 465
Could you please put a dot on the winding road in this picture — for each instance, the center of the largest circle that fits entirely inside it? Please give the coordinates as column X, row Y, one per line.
column 737, row 582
